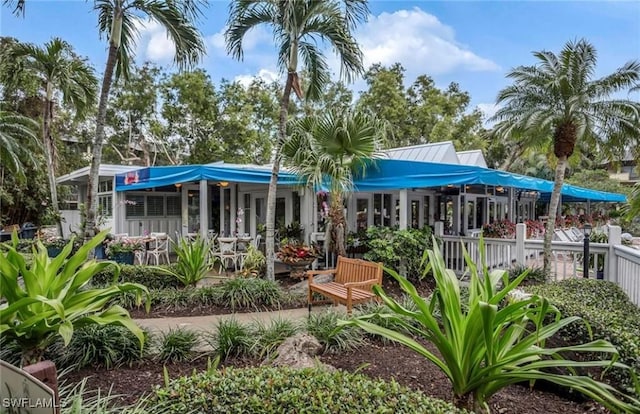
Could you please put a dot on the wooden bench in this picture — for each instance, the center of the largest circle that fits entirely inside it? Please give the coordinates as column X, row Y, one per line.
column 352, row 284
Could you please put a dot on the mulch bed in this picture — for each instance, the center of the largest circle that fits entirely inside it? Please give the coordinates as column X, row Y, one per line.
column 376, row 359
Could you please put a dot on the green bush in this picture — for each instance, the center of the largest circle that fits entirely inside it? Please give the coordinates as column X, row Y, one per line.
column 95, row 345
column 609, row 312
column 394, row 247
column 268, row 337
column 148, row 276
column 324, row 326
column 282, row 390
column 177, row 345
column 536, row 275
column 193, row 260
column 249, row 293
column 231, row 338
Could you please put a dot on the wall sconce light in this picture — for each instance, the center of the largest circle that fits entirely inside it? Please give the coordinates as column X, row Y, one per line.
column 500, row 189
column 223, row 183
column 178, row 185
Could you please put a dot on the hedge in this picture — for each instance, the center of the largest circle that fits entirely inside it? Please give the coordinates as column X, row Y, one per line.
column 146, row 275
column 284, row 390
column 609, row 312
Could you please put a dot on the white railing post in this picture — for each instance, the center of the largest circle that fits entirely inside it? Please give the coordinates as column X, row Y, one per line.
column 615, row 239
column 521, row 235
column 438, row 228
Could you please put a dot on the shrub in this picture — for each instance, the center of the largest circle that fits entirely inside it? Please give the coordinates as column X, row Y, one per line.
column 324, row 326
column 50, row 298
column 193, row 260
column 282, row 390
column 177, row 345
column 148, row 276
column 231, row 338
column 109, row 346
column 76, row 399
column 609, row 312
column 269, row 337
column 535, row 276
column 490, row 344
column 395, row 247
column 249, row 293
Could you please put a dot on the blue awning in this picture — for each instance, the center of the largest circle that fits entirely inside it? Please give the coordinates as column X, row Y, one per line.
column 380, row 175
column 151, row 177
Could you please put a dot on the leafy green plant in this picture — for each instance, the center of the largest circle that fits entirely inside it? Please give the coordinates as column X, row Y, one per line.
column 193, row 260
column 610, row 314
column 269, row 336
column 324, row 326
column 253, row 263
column 283, row 390
column 535, row 275
column 177, row 345
column 249, row 293
column 395, row 247
column 101, row 345
column 149, row 276
column 75, row 398
column 490, row 344
column 231, row 338
column 51, row 298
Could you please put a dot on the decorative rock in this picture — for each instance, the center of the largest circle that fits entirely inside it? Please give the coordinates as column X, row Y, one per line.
column 303, row 286
column 298, row 352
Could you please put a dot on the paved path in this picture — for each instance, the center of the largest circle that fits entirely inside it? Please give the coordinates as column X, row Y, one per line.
column 208, row 323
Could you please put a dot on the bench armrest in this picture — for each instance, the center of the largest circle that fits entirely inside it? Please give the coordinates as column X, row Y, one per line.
column 320, row 272
column 369, row 282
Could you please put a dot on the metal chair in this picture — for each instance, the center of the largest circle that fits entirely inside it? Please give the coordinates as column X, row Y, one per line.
column 227, row 251
column 159, row 248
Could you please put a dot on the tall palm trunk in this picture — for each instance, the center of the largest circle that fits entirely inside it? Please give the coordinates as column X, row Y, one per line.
column 338, row 222
column 553, row 212
column 96, row 156
column 50, row 154
column 273, row 183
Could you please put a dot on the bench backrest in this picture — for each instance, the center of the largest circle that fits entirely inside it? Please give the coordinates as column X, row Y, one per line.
column 357, row 270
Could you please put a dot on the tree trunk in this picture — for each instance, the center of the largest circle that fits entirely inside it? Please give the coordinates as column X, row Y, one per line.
column 273, row 183
column 553, row 211
column 338, row 225
column 96, row 156
column 50, row 154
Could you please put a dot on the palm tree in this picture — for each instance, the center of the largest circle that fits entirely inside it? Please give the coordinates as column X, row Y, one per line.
column 330, row 150
column 559, row 97
column 15, row 132
column 298, row 27
column 58, row 70
column 118, row 21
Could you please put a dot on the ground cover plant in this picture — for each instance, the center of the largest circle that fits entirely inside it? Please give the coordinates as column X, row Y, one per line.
column 493, row 341
column 290, row 390
column 51, row 298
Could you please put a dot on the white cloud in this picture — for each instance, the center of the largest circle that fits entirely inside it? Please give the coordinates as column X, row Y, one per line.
column 488, row 110
column 419, row 41
column 255, row 37
column 266, row 75
column 153, row 43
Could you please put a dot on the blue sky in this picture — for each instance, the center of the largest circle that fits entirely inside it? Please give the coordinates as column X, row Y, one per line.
column 473, row 43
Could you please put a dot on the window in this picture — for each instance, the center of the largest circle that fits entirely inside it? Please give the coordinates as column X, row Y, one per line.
column 135, row 206
column 155, row 206
column 296, row 207
column 362, row 214
column 425, row 210
column 415, row 214
column 105, row 205
column 105, row 186
column 174, row 206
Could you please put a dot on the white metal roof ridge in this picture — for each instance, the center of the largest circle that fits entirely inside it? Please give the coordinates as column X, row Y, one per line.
column 443, row 152
column 472, row 157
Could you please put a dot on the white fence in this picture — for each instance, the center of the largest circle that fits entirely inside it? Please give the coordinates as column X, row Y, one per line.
column 608, row 261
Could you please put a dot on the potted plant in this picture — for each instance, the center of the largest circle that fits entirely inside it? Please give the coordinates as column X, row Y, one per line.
column 298, row 256
column 123, row 250
column 54, row 245
column 253, row 262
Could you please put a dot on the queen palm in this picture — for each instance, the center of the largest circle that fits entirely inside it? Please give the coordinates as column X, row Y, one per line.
column 59, row 71
column 118, row 21
column 15, row 132
column 329, row 150
column 299, row 26
column 560, row 98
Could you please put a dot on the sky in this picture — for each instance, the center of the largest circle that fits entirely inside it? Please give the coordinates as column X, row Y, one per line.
column 473, row 43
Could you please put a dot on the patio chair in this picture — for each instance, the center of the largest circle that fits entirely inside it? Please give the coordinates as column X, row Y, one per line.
column 159, row 248
column 227, row 251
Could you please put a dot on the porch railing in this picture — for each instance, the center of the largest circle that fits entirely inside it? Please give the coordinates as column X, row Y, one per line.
column 608, row 261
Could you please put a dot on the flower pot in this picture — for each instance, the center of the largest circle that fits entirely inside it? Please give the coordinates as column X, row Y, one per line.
column 298, row 268
column 99, row 252
column 54, row 251
column 123, row 257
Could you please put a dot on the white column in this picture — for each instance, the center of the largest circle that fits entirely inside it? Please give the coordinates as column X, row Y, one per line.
column 404, row 209
column 204, row 208
column 221, row 190
column 521, row 235
column 615, row 238
column 234, row 208
column 306, row 212
column 185, row 211
column 455, row 220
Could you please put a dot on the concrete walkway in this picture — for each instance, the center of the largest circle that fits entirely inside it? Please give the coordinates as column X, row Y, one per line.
column 209, row 322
